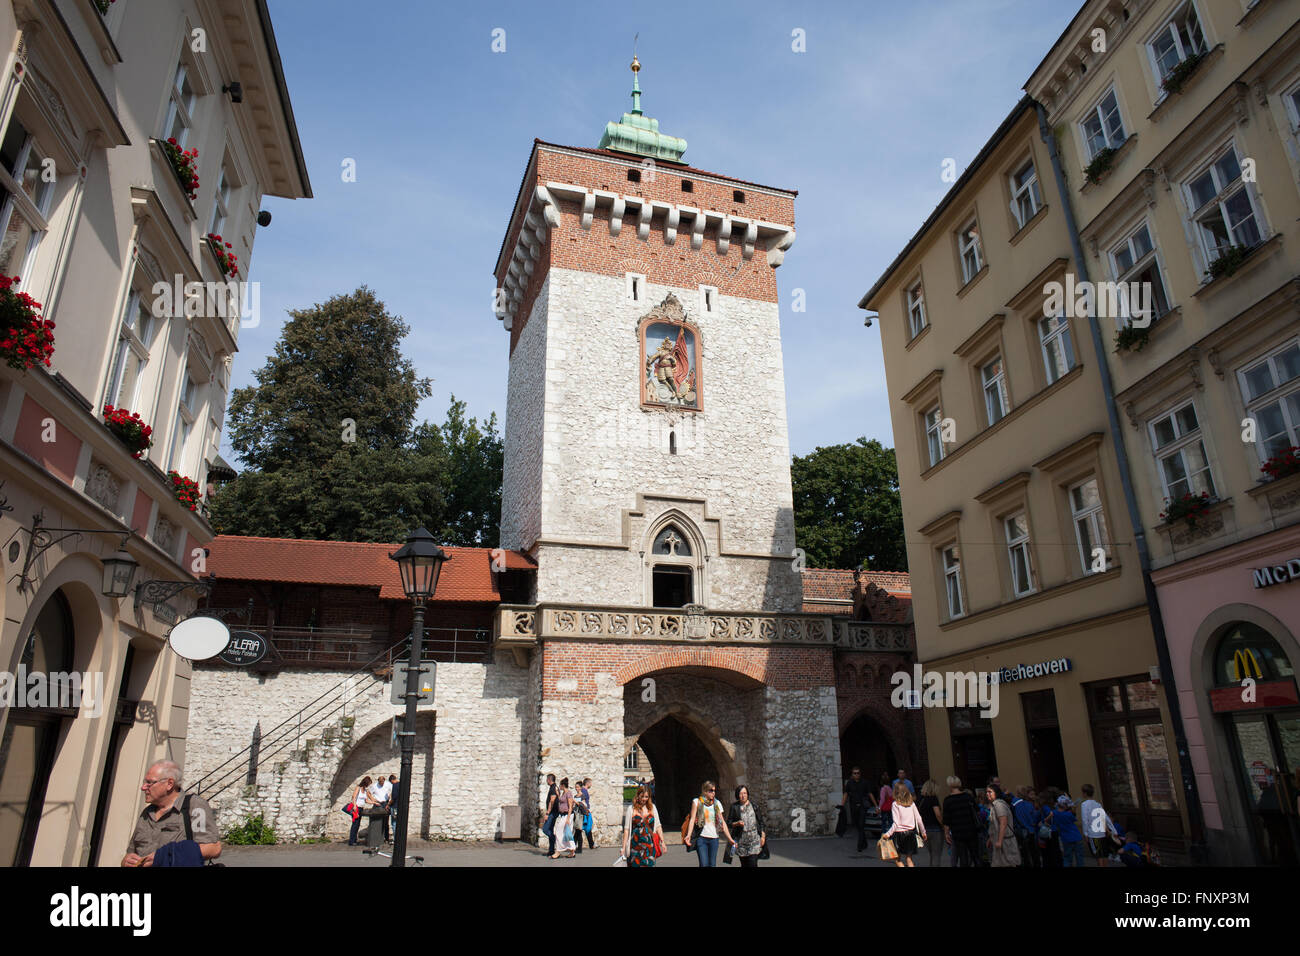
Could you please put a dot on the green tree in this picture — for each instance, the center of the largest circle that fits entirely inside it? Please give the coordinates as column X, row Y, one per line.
column 335, row 363
column 475, row 460
column 847, row 509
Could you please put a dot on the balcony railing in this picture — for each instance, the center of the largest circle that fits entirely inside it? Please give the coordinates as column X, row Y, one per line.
column 348, row 648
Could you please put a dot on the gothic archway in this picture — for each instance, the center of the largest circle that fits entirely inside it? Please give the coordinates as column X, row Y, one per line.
column 865, row 743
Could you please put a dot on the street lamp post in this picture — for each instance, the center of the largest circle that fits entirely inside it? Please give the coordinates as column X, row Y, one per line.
column 420, row 562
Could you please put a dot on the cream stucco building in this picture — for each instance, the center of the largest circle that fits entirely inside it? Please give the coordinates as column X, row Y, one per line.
column 96, row 223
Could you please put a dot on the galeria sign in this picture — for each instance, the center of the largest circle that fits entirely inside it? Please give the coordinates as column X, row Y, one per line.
column 1278, row 574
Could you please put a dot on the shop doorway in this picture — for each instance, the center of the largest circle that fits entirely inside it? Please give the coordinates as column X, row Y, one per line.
column 1046, row 755
column 974, row 757
column 1263, row 731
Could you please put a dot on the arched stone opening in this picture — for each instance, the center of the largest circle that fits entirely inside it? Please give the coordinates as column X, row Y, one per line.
column 864, row 743
column 695, row 724
column 373, row 755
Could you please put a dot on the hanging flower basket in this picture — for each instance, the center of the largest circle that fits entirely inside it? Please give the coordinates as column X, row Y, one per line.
column 1229, row 261
column 1282, row 465
column 185, row 489
column 1100, row 165
column 129, row 429
column 1177, row 77
column 1132, row 339
column 221, row 249
column 1189, row 507
column 185, row 164
column 26, row 339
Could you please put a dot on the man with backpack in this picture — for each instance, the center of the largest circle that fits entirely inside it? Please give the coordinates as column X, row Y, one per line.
column 174, row 829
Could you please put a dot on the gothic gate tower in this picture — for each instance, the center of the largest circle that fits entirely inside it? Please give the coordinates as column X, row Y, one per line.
column 647, row 471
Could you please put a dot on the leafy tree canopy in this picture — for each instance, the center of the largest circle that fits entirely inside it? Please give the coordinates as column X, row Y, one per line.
column 847, row 509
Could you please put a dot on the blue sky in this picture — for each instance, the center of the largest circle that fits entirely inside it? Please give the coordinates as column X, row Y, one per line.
column 440, row 128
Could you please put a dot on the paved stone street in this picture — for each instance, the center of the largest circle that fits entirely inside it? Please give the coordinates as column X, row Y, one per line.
column 813, row 851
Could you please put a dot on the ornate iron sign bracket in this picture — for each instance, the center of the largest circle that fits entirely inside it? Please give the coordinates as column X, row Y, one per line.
column 155, row 593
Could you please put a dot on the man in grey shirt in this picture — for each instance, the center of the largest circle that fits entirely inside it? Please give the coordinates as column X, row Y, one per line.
column 161, row 821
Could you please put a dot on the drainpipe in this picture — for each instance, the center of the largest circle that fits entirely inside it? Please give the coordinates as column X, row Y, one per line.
column 1197, row 847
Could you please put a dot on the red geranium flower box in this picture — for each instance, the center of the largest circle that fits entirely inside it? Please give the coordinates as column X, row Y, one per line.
column 1190, row 507
column 1282, row 465
column 26, row 339
column 221, row 249
column 185, row 164
column 129, row 429
column 185, row 489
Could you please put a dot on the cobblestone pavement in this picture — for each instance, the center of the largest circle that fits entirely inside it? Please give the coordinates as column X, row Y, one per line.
column 812, row 851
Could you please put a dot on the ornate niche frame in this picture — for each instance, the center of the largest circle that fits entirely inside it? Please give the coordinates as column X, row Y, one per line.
column 668, row 341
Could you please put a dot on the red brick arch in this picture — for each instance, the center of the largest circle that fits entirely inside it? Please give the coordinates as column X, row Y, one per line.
column 720, row 658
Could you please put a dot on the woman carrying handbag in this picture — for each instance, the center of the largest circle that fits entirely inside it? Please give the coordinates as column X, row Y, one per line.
column 706, row 813
column 642, row 832
column 745, row 817
column 907, row 829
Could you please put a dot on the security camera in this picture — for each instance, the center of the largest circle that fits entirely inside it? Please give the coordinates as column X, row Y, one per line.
column 867, row 322
column 263, row 218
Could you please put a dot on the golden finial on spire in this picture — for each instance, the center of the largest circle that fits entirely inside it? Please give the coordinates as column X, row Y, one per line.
column 636, row 64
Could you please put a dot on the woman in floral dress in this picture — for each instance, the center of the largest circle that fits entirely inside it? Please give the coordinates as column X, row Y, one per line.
column 639, row 830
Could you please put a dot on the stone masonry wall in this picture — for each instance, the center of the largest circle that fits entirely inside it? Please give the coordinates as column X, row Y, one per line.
column 521, row 513
column 801, row 745
column 602, row 448
column 480, row 714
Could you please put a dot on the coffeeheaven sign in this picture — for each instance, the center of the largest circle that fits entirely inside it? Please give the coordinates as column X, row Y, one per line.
column 1278, row 574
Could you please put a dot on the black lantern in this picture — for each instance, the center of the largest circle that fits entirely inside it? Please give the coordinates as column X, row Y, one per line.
column 119, row 572
column 420, row 562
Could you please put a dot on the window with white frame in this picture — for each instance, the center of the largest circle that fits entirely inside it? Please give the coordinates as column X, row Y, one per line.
column 708, row 299
column 635, row 287
column 934, row 434
column 1103, row 127
column 28, row 190
column 1025, row 197
column 952, row 581
column 1134, row 260
column 994, row 381
column 1180, row 454
column 1179, row 38
column 1017, row 529
column 1089, row 524
column 968, row 241
column 130, row 359
column 180, row 107
column 1291, row 100
column 1271, row 390
column 185, row 415
column 221, row 203
column 1058, row 349
column 916, row 310
column 1224, row 210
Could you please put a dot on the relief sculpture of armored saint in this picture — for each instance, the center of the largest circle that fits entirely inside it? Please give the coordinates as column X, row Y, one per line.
column 670, row 354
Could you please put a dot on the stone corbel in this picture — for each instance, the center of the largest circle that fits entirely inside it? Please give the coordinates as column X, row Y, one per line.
column 616, row 215
column 776, row 251
column 550, row 212
column 1194, row 368
column 1215, row 361
column 1131, row 411
column 1241, row 102
column 724, row 236
column 643, row 222
column 1092, row 246
column 697, row 227
column 588, row 209
column 670, row 225
column 1149, row 187
column 1261, row 92
column 751, row 236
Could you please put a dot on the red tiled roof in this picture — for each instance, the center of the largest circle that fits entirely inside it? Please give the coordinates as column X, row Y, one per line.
column 823, row 585
column 467, row 575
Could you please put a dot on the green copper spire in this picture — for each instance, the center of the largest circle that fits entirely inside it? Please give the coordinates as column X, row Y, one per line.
column 639, row 134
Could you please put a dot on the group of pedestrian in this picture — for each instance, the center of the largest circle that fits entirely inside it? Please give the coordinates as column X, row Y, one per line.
column 371, row 794
column 704, row 827
column 568, row 817
column 991, row 827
